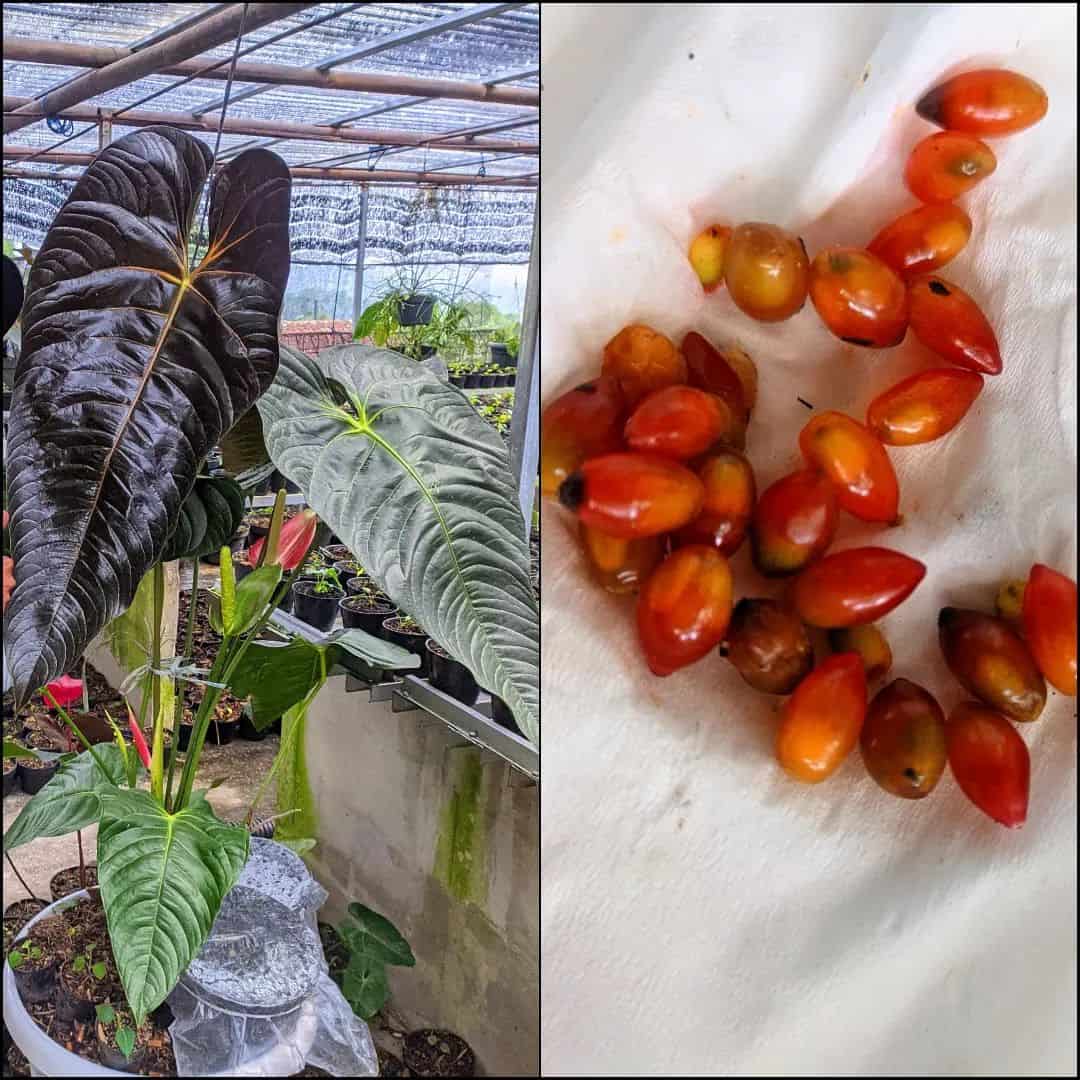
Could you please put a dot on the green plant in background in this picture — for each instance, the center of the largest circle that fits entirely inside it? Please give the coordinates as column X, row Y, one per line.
column 449, row 332
column 373, row 942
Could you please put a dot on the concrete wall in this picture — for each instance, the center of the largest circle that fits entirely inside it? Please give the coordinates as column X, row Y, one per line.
column 443, row 839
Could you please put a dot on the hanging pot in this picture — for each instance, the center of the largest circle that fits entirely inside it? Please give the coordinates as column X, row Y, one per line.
column 416, row 310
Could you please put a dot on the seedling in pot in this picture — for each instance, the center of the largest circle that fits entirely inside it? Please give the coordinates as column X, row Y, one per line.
column 98, row 968
column 117, row 1035
column 24, row 954
column 327, row 580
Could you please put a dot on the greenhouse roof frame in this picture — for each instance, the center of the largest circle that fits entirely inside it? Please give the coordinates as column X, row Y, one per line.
column 425, row 101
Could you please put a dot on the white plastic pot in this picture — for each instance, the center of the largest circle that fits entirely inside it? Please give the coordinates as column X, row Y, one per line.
column 49, row 1058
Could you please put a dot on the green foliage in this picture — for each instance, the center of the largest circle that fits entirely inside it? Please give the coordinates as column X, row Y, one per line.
column 125, row 1041
column 327, row 580
column 24, row 952
column 373, row 942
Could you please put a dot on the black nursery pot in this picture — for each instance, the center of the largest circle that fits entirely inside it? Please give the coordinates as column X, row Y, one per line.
column 500, row 354
column 241, row 569
column 414, row 642
column 11, row 778
column 112, row 1058
column 487, row 380
column 185, row 737
column 37, row 985
column 257, row 532
column 248, row 730
column 471, row 380
column 501, row 714
column 457, row 380
column 33, row 780
column 451, row 677
column 315, row 609
column 353, row 585
column 416, row 310
column 370, row 619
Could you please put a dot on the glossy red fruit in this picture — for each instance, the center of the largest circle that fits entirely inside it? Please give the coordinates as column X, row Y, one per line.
column 860, row 299
column 678, row 422
column 856, row 586
column 684, row 608
column 923, row 239
column 852, row 457
column 794, row 523
column 991, row 662
column 990, row 101
column 990, row 762
column 947, row 165
column 768, row 645
column 708, row 369
column 945, row 319
column 632, row 495
column 1049, row 616
column 621, row 566
column 707, row 251
column 642, row 360
column 903, row 740
column 821, row 721
column 729, row 503
column 584, row 422
column 923, row 407
column 766, row 271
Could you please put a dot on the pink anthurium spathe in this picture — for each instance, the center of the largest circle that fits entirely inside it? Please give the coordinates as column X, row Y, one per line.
column 138, row 739
column 63, row 691
column 297, row 535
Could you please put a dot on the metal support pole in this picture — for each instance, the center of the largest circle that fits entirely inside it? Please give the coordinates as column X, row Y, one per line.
column 525, row 420
column 361, row 245
column 104, row 131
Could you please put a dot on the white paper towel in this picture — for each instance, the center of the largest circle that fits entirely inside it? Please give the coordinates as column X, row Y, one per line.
column 702, row 913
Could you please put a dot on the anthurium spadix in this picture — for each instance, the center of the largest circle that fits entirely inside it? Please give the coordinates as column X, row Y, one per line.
column 134, row 364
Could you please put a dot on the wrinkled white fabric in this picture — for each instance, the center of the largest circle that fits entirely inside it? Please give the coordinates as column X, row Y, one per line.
column 702, row 913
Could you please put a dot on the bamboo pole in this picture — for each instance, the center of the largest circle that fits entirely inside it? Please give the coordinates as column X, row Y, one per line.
column 67, row 54
column 182, row 45
column 280, row 129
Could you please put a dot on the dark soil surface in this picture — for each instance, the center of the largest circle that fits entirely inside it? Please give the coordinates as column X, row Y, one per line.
column 389, row 1065
column 90, row 938
column 204, row 646
column 432, row 1052
column 43, row 721
column 67, row 881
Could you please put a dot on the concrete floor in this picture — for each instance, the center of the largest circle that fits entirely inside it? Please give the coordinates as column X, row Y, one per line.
column 242, row 764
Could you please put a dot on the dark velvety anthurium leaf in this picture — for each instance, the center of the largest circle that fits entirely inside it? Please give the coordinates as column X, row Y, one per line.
column 133, row 366
column 210, row 515
column 403, row 469
column 243, row 448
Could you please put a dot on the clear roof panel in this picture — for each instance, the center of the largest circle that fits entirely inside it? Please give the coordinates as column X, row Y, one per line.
column 482, row 49
column 473, row 224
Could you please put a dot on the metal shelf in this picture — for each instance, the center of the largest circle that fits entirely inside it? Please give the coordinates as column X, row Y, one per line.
column 409, row 693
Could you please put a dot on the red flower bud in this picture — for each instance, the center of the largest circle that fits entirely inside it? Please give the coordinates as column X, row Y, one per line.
column 138, row 739
column 296, row 536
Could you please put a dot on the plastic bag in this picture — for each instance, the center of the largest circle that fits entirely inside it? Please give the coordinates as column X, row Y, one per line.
column 258, row 999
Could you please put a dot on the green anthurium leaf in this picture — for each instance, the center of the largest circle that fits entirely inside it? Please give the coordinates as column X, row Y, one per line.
column 163, row 877
column 276, row 677
column 365, row 986
column 71, row 800
column 133, row 366
column 417, row 485
column 377, row 652
column 12, row 749
column 253, row 593
column 209, row 516
column 243, row 447
column 368, row 933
